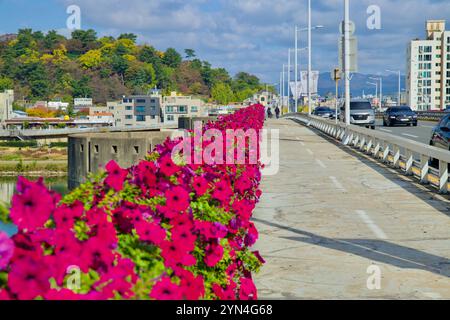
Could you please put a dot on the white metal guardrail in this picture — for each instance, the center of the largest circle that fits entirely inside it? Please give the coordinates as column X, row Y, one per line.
column 412, row 158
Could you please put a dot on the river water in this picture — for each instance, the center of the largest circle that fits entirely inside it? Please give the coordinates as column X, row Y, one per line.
column 8, row 187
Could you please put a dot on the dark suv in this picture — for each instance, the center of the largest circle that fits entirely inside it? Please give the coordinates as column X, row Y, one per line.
column 323, row 112
column 400, row 115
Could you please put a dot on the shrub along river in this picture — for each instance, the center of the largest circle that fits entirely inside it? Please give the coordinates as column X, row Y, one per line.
column 8, row 187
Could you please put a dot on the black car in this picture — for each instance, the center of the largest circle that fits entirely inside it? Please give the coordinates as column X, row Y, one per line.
column 323, row 112
column 440, row 137
column 399, row 115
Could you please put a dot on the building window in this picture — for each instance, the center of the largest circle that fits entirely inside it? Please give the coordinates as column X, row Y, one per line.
column 182, row 109
column 140, row 100
column 194, row 109
column 153, row 101
column 114, row 149
column 96, row 149
column 126, row 100
column 140, row 118
column 169, row 109
column 136, row 149
column 140, row 109
column 170, row 118
column 128, row 117
column 82, row 148
column 128, row 108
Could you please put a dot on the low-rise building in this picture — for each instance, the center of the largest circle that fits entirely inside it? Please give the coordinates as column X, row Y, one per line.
column 6, row 106
column 176, row 106
column 82, row 103
column 140, row 110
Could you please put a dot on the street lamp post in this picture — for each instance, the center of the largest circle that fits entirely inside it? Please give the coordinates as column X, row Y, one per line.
column 380, row 79
column 296, row 50
column 289, row 81
column 376, row 87
column 347, row 59
column 399, row 85
column 309, row 57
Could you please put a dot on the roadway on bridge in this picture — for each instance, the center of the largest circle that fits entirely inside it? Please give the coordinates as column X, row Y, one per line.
column 331, row 215
column 421, row 133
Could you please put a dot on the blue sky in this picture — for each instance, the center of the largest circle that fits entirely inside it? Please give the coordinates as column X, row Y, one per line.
column 240, row 35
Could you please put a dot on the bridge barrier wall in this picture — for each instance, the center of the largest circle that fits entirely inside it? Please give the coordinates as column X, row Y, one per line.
column 410, row 157
column 89, row 153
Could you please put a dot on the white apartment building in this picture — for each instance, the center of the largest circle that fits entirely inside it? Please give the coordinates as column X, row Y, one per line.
column 428, row 69
column 6, row 106
column 175, row 106
column 141, row 110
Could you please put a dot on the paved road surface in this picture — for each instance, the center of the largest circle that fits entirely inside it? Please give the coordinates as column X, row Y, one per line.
column 421, row 133
column 329, row 215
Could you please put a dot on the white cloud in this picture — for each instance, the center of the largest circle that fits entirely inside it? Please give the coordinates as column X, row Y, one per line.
column 253, row 35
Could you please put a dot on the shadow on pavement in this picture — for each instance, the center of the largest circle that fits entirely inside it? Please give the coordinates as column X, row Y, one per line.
column 376, row 250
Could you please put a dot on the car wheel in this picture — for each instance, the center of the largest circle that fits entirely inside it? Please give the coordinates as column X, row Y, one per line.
column 384, row 123
column 391, row 124
column 372, row 127
column 415, row 124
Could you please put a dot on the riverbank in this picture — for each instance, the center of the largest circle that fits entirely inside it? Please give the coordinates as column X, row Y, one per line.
column 33, row 161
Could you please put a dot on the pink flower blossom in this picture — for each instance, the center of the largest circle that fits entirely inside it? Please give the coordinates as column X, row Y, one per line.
column 165, row 290
column 32, row 207
column 150, row 232
column 177, row 199
column 214, row 253
column 200, row 185
column 6, row 250
column 116, row 176
column 167, row 166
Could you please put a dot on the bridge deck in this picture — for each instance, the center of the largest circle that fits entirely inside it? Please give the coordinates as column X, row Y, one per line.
column 329, row 214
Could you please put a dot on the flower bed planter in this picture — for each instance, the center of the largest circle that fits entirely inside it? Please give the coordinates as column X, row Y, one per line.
column 158, row 230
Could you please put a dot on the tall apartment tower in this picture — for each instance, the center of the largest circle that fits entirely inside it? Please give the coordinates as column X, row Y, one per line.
column 6, row 106
column 428, row 69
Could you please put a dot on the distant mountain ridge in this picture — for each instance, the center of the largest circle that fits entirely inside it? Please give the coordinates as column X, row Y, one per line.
column 359, row 84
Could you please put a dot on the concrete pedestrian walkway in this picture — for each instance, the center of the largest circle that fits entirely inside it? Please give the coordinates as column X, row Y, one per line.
column 331, row 220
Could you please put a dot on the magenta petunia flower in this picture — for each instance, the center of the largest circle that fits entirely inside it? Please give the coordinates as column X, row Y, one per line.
column 177, row 253
column 6, row 250
column 32, row 208
column 29, row 278
column 200, row 186
column 116, row 175
column 151, row 232
column 214, row 253
column 222, row 191
column 168, row 167
column 177, row 199
column 247, row 290
column 165, row 290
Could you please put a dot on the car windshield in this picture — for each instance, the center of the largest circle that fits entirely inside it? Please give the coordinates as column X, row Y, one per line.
column 360, row 106
column 323, row 110
column 401, row 109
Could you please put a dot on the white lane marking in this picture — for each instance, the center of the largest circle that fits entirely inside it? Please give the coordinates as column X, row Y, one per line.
column 302, row 143
column 372, row 226
column 427, row 126
column 337, row 184
column 409, row 135
column 309, row 151
column 320, row 163
column 386, row 130
column 432, row 295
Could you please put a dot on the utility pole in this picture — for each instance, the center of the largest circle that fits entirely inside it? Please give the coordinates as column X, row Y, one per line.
column 347, row 59
column 309, row 58
column 289, row 81
column 296, row 69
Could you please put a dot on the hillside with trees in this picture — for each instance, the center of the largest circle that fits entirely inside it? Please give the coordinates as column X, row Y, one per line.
column 50, row 66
